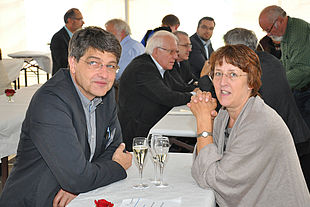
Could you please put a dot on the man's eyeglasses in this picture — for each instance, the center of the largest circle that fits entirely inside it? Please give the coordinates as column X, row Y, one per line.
column 172, row 52
column 273, row 24
column 271, row 28
column 79, row 19
column 94, row 65
column 231, row 75
column 187, row 45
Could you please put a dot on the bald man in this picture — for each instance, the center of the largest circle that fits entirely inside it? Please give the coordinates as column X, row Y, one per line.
column 293, row 33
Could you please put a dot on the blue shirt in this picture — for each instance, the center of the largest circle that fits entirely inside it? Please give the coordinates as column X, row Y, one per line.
column 206, row 44
column 130, row 49
column 90, row 116
column 69, row 32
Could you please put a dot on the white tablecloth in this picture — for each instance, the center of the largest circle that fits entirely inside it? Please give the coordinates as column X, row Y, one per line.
column 11, row 117
column 179, row 122
column 43, row 59
column 182, row 187
column 9, row 71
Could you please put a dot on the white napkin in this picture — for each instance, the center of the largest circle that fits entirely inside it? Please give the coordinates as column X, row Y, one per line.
column 143, row 202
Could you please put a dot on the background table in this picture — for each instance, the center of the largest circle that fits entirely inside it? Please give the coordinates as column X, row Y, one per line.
column 12, row 116
column 182, row 186
column 178, row 122
column 43, row 60
column 9, row 72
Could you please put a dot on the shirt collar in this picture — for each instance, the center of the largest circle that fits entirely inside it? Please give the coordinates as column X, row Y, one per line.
column 205, row 43
column 69, row 32
column 160, row 69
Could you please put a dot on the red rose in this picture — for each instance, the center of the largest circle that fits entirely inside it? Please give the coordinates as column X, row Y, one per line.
column 103, row 203
column 9, row 92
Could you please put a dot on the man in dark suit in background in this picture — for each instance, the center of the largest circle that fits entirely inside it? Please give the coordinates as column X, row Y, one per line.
column 201, row 45
column 145, row 96
column 181, row 69
column 71, row 140
column 276, row 92
column 60, row 41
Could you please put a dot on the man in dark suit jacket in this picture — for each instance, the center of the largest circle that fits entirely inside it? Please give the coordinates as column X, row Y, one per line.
column 181, row 71
column 276, row 92
column 201, row 45
column 144, row 94
column 71, row 138
column 60, row 41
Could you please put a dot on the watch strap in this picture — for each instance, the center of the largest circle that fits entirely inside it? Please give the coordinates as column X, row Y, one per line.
column 204, row 134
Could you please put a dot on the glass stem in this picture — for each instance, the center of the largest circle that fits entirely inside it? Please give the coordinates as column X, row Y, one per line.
column 155, row 171
column 161, row 171
column 140, row 173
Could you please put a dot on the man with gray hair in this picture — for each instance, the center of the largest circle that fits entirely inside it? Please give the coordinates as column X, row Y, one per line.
column 276, row 92
column 71, row 140
column 130, row 47
column 293, row 33
column 144, row 94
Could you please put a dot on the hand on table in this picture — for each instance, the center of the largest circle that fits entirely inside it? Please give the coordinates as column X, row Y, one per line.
column 63, row 198
column 121, row 157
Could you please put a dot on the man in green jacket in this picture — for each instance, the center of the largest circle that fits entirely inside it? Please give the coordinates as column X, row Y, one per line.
column 294, row 35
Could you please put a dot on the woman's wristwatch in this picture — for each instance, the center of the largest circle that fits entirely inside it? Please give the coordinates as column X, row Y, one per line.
column 204, row 134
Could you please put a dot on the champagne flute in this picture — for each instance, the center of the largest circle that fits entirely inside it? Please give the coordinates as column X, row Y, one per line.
column 162, row 146
column 151, row 141
column 140, row 149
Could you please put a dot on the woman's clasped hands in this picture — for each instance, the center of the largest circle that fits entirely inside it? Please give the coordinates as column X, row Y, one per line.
column 203, row 105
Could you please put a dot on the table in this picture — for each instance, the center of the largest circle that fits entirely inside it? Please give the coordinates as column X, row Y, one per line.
column 178, row 122
column 43, row 61
column 182, row 187
column 9, row 72
column 12, row 116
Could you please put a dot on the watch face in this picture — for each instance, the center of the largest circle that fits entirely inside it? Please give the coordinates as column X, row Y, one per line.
column 205, row 134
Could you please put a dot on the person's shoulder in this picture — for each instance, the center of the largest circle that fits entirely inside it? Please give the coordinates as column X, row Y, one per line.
column 141, row 62
column 60, row 32
column 142, row 59
column 269, row 63
column 196, row 42
column 257, row 111
column 60, row 35
column 57, row 90
column 61, row 83
column 132, row 43
column 265, row 56
column 194, row 37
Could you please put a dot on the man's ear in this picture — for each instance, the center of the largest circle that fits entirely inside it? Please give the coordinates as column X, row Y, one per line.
column 72, row 64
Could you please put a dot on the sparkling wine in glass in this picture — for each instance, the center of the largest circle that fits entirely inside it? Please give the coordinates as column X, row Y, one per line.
column 161, row 146
column 140, row 149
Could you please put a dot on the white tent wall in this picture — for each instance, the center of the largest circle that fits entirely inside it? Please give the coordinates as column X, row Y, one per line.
column 12, row 26
column 30, row 24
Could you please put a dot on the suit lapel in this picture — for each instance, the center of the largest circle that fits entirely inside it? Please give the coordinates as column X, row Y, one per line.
column 202, row 48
